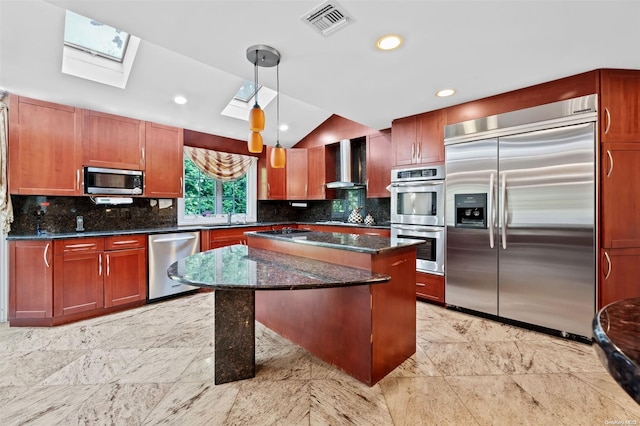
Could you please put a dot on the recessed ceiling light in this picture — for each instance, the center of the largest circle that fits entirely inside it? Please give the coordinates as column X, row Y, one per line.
column 445, row 92
column 284, row 127
column 389, row 42
column 180, row 100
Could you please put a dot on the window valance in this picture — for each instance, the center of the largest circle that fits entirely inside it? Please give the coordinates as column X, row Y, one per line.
column 222, row 166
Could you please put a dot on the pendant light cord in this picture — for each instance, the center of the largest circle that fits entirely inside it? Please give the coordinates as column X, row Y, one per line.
column 255, row 83
column 278, row 104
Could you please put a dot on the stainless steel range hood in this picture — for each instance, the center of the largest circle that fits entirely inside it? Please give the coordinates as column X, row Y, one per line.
column 349, row 172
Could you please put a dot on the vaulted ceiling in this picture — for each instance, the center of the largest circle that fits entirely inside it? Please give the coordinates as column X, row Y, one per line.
column 198, row 49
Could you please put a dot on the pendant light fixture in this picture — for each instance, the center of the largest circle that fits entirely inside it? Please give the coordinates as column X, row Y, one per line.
column 278, row 155
column 260, row 56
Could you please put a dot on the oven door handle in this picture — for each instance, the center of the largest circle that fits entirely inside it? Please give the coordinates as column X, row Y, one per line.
column 434, row 182
column 491, row 214
column 421, row 228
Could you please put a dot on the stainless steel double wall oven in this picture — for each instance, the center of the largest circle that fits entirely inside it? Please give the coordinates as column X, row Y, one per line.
column 417, row 212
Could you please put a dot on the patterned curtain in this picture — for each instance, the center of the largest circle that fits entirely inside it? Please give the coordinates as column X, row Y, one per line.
column 222, row 166
column 6, row 210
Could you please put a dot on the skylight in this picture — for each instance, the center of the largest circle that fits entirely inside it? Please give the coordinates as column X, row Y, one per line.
column 95, row 37
column 246, row 92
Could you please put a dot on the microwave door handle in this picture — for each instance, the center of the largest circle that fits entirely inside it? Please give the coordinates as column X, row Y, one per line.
column 491, row 213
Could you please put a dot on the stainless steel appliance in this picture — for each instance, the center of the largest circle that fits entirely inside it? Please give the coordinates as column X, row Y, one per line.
column 165, row 249
column 417, row 212
column 520, row 215
column 103, row 181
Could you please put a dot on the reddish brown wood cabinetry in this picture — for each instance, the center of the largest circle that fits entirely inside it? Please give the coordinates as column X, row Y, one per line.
column 321, row 161
column 30, row 280
column 418, row 139
column 125, row 277
column 297, row 175
column 214, row 238
column 112, row 141
column 45, row 148
column 620, row 105
column 272, row 181
column 430, row 287
column 379, row 151
column 163, row 171
column 78, row 276
column 619, row 269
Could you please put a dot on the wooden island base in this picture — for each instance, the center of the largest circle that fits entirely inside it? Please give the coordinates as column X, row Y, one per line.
column 366, row 331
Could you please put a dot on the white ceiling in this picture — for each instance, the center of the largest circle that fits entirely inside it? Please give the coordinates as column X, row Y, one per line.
column 198, row 49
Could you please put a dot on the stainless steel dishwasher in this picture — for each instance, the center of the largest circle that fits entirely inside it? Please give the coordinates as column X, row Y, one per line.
column 165, row 249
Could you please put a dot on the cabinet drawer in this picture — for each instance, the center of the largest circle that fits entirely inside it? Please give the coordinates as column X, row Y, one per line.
column 430, row 287
column 121, row 242
column 74, row 245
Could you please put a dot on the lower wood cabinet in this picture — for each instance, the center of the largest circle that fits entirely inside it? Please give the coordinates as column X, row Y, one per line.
column 360, row 230
column 57, row 281
column 619, row 269
column 430, row 287
column 214, row 238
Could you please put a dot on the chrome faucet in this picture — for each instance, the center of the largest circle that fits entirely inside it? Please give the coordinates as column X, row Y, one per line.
column 228, row 218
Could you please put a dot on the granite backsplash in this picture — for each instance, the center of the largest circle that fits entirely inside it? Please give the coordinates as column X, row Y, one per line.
column 58, row 214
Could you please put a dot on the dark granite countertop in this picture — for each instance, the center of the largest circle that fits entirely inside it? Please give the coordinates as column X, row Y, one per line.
column 240, row 267
column 171, row 229
column 616, row 332
column 352, row 242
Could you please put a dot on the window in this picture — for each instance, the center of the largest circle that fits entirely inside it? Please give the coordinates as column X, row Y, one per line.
column 95, row 37
column 210, row 201
column 349, row 200
column 246, row 92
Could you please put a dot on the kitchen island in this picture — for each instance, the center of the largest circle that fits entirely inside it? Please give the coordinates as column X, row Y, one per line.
column 354, row 304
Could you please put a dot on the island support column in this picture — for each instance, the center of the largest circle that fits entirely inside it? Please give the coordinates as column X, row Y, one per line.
column 234, row 334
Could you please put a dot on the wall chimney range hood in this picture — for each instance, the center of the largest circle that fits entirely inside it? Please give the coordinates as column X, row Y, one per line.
column 350, row 168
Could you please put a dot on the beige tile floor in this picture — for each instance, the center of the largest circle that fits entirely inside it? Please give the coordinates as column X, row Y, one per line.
column 153, row 365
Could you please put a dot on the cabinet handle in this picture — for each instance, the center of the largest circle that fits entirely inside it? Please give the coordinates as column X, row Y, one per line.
column 181, row 185
column 418, row 151
column 399, row 262
column 610, row 163
column 78, row 179
column 80, row 246
column 421, row 284
column 606, row 256
column 608, row 115
column 108, row 265
column 268, row 190
column 143, row 160
column 413, row 151
column 44, row 255
column 117, row 243
column 100, row 264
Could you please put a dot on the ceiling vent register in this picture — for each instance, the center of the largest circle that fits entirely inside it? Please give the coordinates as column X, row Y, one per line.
column 327, row 18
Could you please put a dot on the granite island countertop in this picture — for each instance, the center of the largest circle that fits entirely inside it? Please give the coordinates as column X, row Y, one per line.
column 371, row 244
column 240, row 267
column 616, row 332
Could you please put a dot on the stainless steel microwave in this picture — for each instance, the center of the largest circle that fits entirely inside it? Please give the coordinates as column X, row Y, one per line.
column 105, row 181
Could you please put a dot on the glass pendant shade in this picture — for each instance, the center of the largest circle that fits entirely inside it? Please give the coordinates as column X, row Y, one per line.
column 256, row 119
column 278, row 157
column 255, row 142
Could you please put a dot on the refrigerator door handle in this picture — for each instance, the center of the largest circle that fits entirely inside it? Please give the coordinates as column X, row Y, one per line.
column 503, row 211
column 491, row 214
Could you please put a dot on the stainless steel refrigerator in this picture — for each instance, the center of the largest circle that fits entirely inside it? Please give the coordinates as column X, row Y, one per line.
column 520, row 215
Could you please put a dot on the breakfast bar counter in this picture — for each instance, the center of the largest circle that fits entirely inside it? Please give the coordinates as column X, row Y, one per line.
column 353, row 304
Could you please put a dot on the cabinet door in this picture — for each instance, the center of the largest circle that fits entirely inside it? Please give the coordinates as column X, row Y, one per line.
column 45, row 148
column 112, row 141
column 125, row 276
column 618, row 275
column 620, row 105
column 164, row 163
column 297, row 176
column 276, row 180
column 430, row 143
column 430, row 287
column 322, row 169
column 403, row 140
column 30, row 279
column 620, row 186
column 378, row 165
column 78, row 276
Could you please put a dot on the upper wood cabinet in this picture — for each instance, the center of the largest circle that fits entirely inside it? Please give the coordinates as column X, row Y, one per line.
column 164, row 162
column 297, row 176
column 418, row 139
column 619, row 105
column 272, row 181
column 112, row 141
column 45, row 148
column 322, row 169
column 379, row 150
